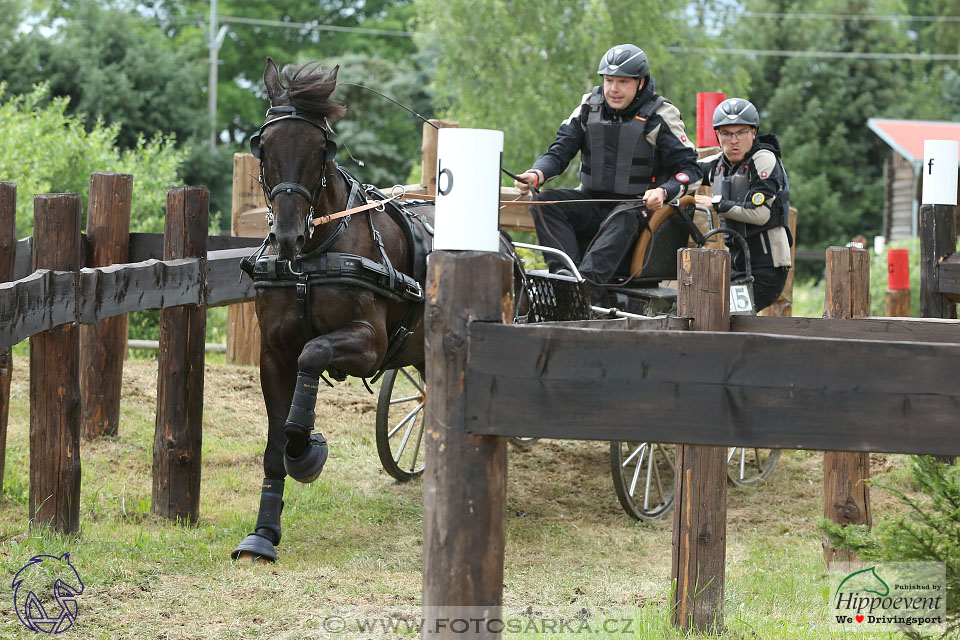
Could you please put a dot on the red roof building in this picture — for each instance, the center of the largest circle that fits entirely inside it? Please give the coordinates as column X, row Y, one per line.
column 902, row 175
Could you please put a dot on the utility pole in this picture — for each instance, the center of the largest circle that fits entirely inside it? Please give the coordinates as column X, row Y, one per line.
column 215, row 36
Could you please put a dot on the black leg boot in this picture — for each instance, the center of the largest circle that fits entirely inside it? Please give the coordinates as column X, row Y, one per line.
column 305, row 453
column 266, row 535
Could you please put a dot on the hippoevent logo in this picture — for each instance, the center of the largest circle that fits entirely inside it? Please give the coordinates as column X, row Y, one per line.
column 45, row 593
column 889, row 596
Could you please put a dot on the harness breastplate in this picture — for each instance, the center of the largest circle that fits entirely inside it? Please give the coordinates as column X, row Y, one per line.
column 616, row 156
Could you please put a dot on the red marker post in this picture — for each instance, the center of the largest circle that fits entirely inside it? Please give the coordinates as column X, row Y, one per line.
column 706, row 104
column 898, row 283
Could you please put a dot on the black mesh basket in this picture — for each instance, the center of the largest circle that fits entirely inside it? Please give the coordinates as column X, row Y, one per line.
column 556, row 298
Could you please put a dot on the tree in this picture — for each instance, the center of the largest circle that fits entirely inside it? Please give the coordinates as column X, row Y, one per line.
column 819, row 107
column 46, row 150
column 113, row 67
column 522, row 67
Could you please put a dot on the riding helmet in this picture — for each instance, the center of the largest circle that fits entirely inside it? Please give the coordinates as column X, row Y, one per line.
column 736, row 111
column 626, row 60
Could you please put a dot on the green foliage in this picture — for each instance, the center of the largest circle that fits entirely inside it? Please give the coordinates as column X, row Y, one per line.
column 113, row 67
column 45, row 150
column 927, row 531
column 522, row 67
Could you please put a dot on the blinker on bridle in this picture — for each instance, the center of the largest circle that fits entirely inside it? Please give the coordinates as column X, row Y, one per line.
column 330, row 152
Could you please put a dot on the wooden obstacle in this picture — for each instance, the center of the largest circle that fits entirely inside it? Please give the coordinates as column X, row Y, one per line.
column 55, row 300
column 830, row 384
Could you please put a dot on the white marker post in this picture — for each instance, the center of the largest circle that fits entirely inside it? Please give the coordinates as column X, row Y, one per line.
column 939, row 171
column 468, row 189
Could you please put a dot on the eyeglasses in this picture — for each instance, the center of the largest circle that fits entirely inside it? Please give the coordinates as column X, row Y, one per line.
column 729, row 135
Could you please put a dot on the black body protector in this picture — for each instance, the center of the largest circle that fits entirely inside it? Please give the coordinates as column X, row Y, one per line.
column 616, row 157
column 746, row 186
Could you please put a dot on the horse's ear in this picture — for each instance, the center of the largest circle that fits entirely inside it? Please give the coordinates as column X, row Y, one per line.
column 271, row 80
column 332, row 76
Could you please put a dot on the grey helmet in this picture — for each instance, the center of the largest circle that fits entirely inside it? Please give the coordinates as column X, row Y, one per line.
column 626, row 60
column 736, row 111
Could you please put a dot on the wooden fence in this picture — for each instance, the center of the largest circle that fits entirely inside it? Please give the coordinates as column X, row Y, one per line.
column 74, row 316
column 840, row 384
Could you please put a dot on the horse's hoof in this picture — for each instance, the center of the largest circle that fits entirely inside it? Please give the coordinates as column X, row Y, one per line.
column 255, row 548
column 307, row 467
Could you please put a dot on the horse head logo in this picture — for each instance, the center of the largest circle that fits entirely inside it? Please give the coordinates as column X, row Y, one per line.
column 41, row 582
column 866, row 580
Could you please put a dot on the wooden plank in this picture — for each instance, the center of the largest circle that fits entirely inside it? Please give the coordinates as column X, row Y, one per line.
column 698, row 558
column 149, row 246
column 846, row 495
column 713, row 388
column 8, row 253
column 225, row 282
column 45, row 299
column 465, row 476
column 103, row 345
column 178, row 434
column 55, row 378
column 938, row 239
column 894, row 329
column 948, row 277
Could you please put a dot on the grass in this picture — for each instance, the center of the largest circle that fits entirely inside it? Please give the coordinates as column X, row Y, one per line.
column 352, row 540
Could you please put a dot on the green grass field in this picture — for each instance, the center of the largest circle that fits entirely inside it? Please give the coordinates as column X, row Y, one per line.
column 352, row 540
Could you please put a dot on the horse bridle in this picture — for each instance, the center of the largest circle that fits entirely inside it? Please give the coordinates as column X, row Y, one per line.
column 330, row 152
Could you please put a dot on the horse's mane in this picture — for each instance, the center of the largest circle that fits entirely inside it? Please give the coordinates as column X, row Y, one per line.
column 309, row 89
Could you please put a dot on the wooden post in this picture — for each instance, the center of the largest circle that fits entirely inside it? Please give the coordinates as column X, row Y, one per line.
column 428, row 151
column 700, row 514
column 178, row 435
column 102, row 345
column 55, row 376
column 938, row 239
column 465, row 481
column 243, row 330
column 8, row 254
column 846, row 496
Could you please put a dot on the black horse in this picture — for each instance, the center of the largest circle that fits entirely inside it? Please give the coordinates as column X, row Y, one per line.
column 341, row 293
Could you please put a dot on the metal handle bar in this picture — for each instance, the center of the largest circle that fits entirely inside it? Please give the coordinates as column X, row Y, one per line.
column 733, row 234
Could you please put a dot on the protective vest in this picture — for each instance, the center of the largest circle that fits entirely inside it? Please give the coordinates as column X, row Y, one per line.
column 616, row 156
column 736, row 187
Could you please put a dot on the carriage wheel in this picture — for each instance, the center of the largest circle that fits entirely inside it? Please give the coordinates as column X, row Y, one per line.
column 749, row 465
column 400, row 423
column 643, row 477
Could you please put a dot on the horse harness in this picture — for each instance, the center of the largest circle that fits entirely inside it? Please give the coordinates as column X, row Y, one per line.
column 321, row 266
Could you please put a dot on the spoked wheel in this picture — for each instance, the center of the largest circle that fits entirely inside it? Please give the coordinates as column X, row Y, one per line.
column 400, row 410
column 749, row 465
column 643, row 477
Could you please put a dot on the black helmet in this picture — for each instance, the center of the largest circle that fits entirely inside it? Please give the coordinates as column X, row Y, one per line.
column 736, row 111
column 625, row 60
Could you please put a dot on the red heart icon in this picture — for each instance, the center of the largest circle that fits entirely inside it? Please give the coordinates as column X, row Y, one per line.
column 859, row 618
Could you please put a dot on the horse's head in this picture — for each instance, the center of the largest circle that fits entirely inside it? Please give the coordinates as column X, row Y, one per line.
column 295, row 146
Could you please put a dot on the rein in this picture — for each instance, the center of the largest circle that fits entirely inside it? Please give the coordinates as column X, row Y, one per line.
column 377, row 204
column 528, row 203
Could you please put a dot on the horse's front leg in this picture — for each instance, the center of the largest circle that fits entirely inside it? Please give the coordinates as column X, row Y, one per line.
column 354, row 349
column 277, row 382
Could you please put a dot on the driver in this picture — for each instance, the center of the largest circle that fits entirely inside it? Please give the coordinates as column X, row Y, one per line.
column 751, row 195
column 633, row 148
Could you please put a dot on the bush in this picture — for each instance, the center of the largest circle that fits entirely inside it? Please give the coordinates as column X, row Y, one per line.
column 44, row 150
column 929, row 530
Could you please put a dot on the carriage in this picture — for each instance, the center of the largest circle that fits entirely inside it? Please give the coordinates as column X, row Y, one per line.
column 339, row 298
column 642, row 472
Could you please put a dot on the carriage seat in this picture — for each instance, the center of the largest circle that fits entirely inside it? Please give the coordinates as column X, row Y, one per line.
column 655, row 252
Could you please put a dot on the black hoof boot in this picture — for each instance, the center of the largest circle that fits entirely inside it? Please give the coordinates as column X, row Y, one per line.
column 260, row 545
column 255, row 548
column 304, row 463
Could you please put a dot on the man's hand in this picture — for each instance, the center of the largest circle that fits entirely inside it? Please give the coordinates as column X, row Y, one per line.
column 654, row 198
column 530, row 178
column 704, row 201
